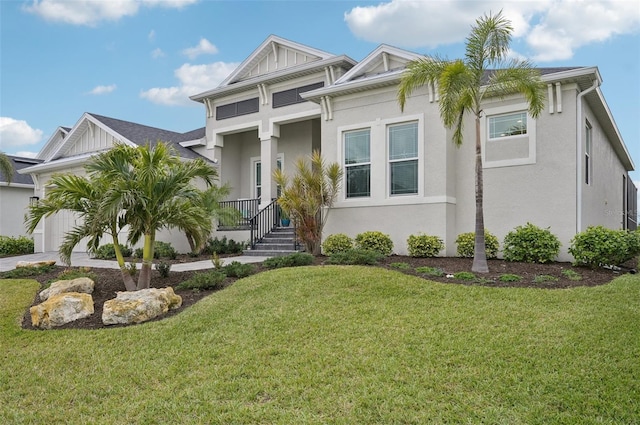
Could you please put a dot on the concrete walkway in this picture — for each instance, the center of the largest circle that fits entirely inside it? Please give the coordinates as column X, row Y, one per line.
column 80, row 259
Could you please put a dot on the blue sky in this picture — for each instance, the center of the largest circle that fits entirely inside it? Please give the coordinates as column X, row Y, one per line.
column 138, row 60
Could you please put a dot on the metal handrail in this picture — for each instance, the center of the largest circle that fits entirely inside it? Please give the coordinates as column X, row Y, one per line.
column 264, row 222
column 247, row 209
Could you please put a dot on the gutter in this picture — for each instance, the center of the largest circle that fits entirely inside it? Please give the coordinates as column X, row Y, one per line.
column 579, row 153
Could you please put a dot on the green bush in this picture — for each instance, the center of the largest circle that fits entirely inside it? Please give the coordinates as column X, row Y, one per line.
column 237, row 269
column 424, row 245
column 374, row 241
column 25, row 272
column 466, row 243
column 15, row 245
column 571, row 274
column 212, row 279
column 510, row 278
column 70, row 274
column 530, row 244
column 338, row 242
column 431, row 271
column 541, row 278
column 108, row 252
column 164, row 250
column 355, row 256
column 163, row 268
column 598, row 246
column 291, row 260
column 464, row 276
column 223, row 246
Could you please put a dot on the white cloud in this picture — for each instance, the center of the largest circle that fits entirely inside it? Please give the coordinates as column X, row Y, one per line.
column 98, row 90
column 204, row 47
column 17, row 133
column 193, row 79
column 157, row 53
column 92, row 12
column 551, row 29
column 152, row 35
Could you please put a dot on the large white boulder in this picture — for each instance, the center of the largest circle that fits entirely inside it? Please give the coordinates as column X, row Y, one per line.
column 60, row 309
column 21, row 264
column 139, row 306
column 83, row 285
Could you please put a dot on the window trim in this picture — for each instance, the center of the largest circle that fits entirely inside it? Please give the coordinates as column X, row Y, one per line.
column 530, row 135
column 255, row 160
column 390, row 161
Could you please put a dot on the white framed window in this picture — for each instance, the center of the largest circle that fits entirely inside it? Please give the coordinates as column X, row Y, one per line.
column 256, row 167
column 357, row 163
column 588, row 142
column 508, row 125
column 403, row 158
column 509, row 136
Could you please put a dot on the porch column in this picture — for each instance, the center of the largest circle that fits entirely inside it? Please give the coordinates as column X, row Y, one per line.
column 269, row 161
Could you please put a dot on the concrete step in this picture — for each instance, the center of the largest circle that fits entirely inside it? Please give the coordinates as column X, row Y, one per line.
column 268, row 253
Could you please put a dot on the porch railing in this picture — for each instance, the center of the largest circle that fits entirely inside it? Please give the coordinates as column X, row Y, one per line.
column 265, row 221
column 247, row 209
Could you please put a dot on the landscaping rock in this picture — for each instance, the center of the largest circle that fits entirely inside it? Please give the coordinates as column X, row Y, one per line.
column 139, row 306
column 84, row 285
column 21, row 264
column 60, row 309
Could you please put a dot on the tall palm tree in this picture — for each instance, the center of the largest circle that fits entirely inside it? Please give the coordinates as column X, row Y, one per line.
column 308, row 197
column 6, row 167
column 462, row 86
column 155, row 189
column 82, row 196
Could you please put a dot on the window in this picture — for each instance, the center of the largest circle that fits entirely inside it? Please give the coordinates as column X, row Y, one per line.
column 588, row 171
column 257, row 173
column 403, row 158
column 357, row 163
column 292, row 96
column 231, row 110
column 508, row 125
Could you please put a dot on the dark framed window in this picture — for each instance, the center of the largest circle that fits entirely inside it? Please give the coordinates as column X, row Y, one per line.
column 292, row 96
column 236, row 109
column 357, row 163
column 403, row 158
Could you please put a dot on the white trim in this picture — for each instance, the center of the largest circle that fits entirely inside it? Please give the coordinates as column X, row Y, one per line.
column 401, row 200
column 531, row 136
column 18, row 185
column 196, row 142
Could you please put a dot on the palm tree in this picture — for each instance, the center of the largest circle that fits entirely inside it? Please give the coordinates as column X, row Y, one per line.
column 309, row 197
column 6, row 167
column 209, row 199
column 82, row 196
column 154, row 188
column 462, row 86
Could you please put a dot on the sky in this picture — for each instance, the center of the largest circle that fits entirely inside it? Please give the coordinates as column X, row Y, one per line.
column 140, row 60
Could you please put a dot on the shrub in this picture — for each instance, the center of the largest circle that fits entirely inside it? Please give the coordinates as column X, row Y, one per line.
column 164, row 250
column 70, row 274
column 571, row 274
column 138, row 253
column 466, row 243
column 291, row 260
column 530, row 244
column 163, row 268
column 108, row 252
column 26, row 272
column 223, row 246
column 237, row 269
column 338, row 242
column 374, row 241
column 464, row 276
column 541, row 278
column 212, row 279
column 431, row 271
column 15, row 245
column 132, row 269
column 510, row 278
column 424, row 245
column 598, row 245
column 400, row 266
column 355, row 256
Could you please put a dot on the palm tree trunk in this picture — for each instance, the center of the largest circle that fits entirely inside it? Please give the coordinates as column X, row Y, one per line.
column 129, row 284
column 144, row 279
column 479, row 251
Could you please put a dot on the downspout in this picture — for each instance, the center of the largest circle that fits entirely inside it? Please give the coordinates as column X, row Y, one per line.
column 579, row 156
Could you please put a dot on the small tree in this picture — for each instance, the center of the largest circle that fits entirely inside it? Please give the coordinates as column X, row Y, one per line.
column 309, row 196
column 6, row 167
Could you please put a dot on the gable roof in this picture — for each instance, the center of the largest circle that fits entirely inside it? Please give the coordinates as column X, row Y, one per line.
column 19, row 163
column 276, row 59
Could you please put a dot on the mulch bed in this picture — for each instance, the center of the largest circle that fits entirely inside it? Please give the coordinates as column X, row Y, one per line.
column 109, row 281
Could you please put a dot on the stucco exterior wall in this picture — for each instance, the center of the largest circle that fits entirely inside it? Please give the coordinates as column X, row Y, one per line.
column 15, row 202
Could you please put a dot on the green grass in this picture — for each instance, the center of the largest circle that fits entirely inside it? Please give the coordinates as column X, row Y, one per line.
column 337, row 345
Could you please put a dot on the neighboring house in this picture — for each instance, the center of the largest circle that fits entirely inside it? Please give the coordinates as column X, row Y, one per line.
column 68, row 150
column 15, row 197
column 565, row 170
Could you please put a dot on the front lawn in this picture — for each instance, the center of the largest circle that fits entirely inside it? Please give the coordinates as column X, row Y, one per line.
column 340, row 345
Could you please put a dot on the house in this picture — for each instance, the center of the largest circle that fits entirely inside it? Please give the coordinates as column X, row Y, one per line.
column 565, row 170
column 15, row 197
